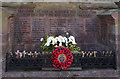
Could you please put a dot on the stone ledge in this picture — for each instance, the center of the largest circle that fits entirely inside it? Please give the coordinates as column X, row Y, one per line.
column 49, row 74
column 64, row 78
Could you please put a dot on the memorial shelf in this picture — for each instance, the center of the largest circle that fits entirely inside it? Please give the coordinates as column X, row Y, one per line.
column 27, row 60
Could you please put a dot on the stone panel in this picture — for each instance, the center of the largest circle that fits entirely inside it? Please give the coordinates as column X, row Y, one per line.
column 107, row 29
column 38, row 29
column 85, row 27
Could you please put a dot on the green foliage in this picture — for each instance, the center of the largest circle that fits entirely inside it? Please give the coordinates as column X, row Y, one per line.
column 72, row 47
column 51, row 47
column 47, row 48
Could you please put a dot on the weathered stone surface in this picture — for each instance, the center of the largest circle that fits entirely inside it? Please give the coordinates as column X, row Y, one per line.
column 29, row 29
column 87, row 30
column 66, row 78
column 83, row 73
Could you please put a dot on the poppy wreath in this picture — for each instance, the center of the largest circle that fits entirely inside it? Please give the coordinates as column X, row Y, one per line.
column 61, row 58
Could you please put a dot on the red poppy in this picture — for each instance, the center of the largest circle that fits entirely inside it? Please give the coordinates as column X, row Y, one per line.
column 32, row 56
column 61, row 58
column 70, row 47
column 54, row 46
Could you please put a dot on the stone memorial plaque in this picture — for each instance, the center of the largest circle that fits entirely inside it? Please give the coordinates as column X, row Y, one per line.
column 75, row 25
column 22, row 30
column 26, row 29
column 25, row 12
column 30, row 26
column 92, row 25
column 57, row 26
column 38, row 29
column 17, row 30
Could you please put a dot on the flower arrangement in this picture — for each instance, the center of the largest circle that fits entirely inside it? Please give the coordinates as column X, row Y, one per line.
column 50, row 43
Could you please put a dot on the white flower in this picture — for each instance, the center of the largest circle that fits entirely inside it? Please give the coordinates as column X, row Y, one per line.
column 60, row 44
column 56, row 46
column 17, row 51
column 47, row 44
column 59, row 40
column 73, row 42
column 72, row 39
column 66, row 41
column 41, row 39
column 49, row 40
column 67, row 33
column 53, row 41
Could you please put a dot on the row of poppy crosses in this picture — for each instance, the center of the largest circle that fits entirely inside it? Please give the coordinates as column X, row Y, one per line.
column 25, row 54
